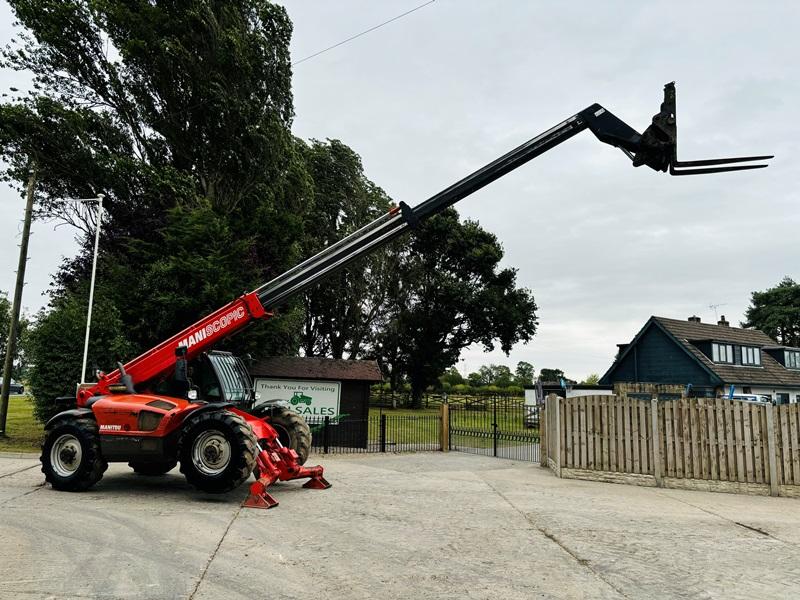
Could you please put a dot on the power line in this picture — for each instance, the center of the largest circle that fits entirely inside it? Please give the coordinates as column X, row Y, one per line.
column 366, row 31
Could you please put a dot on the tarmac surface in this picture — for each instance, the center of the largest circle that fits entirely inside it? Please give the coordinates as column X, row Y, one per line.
column 422, row 526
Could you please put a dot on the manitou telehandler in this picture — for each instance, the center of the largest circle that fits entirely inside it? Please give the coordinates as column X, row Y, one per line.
column 182, row 403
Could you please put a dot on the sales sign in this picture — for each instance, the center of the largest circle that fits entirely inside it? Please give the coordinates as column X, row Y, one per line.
column 315, row 399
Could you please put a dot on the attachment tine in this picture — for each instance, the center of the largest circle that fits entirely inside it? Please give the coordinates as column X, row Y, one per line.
column 718, row 161
column 673, row 171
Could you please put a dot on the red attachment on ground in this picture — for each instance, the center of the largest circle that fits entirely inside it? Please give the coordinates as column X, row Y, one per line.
column 258, row 496
column 276, row 462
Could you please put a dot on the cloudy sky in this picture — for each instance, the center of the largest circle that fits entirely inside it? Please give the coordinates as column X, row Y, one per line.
column 431, row 97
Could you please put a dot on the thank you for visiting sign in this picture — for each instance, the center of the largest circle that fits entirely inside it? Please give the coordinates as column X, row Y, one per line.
column 308, row 398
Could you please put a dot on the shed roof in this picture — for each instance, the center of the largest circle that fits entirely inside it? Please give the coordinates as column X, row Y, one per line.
column 300, row 367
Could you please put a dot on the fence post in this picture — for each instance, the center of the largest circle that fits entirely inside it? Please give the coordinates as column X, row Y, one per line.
column 557, row 432
column 444, row 429
column 383, row 432
column 543, row 441
column 494, row 424
column 655, row 439
column 325, row 435
column 774, row 490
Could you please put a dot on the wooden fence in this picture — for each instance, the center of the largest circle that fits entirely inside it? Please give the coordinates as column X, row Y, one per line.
column 696, row 443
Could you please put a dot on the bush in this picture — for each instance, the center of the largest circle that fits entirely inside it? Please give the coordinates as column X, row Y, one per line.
column 56, row 348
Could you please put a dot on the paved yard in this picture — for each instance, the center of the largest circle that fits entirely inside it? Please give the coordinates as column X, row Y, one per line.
column 413, row 526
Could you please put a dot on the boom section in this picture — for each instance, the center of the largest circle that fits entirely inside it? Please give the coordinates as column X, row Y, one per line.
column 402, row 218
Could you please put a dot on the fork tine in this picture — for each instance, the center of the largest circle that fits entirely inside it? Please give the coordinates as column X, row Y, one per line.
column 674, row 171
column 718, row 161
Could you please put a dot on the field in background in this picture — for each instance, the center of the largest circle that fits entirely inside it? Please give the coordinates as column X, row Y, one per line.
column 24, row 432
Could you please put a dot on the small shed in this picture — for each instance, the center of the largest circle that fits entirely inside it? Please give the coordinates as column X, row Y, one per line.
column 322, row 387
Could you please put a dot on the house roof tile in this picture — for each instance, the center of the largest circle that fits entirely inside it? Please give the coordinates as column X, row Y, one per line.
column 771, row 371
column 296, row 367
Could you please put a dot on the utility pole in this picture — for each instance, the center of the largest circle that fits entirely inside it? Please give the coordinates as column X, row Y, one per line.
column 14, row 326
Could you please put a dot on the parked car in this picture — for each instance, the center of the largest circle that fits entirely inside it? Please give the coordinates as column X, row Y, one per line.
column 754, row 398
column 16, row 388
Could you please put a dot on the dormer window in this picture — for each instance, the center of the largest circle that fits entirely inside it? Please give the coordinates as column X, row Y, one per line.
column 751, row 356
column 792, row 359
column 722, row 353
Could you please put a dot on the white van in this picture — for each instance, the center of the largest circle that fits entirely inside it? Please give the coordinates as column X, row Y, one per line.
column 754, row 398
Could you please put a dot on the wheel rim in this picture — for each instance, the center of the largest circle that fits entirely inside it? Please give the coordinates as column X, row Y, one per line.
column 65, row 455
column 211, row 452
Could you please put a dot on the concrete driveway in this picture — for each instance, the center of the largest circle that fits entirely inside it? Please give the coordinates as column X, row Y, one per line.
column 397, row 526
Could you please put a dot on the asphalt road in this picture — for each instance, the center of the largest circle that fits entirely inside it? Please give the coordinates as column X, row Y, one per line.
column 419, row 526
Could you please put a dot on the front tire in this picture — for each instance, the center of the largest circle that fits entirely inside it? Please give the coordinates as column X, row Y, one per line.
column 71, row 458
column 217, row 451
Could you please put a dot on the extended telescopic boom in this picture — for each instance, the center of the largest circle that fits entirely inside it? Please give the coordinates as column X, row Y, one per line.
column 656, row 148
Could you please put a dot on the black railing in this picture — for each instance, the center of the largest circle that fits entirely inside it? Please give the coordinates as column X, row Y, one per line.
column 376, row 433
column 495, row 426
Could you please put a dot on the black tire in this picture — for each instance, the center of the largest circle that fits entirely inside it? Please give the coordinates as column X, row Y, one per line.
column 152, row 468
column 293, row 432
column 71, row 458
column 217, row 451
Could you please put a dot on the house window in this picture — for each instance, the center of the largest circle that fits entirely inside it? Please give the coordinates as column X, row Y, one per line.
column 723, row 353
column 751, row 356
column 792, row 359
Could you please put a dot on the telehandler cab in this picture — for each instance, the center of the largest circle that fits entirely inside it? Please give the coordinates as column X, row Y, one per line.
column 180, row 402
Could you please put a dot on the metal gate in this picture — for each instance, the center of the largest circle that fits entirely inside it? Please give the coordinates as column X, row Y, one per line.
column 501, row 426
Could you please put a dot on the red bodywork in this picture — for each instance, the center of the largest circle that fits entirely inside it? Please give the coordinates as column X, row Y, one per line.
column 144, row 415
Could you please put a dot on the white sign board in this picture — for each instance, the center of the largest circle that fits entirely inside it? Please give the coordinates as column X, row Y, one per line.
column 315, row 399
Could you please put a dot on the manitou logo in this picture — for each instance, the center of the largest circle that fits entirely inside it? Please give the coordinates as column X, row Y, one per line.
column 212, row 328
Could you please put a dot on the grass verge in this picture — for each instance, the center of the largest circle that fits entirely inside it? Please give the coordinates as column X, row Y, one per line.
column 23, row 431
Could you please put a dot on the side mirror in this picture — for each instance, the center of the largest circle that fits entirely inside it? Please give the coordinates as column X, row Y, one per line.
column 191, row 394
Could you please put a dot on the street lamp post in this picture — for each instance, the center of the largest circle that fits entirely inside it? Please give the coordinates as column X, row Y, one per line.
column 99, row 220
column 99, row 200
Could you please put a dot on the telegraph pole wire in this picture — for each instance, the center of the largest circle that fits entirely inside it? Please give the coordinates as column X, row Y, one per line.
column 366, row 31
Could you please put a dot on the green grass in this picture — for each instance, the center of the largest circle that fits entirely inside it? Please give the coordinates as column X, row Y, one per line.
column 23, row 431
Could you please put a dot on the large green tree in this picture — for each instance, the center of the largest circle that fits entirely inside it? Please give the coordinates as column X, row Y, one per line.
column 341, row 311
column 776, row 312
column 180, row 114
column 450, row 293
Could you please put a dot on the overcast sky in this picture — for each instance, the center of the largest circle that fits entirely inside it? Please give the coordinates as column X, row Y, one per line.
column 431, row 97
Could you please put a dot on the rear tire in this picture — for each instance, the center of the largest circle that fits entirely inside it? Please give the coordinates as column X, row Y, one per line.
column 152, row 468
column 293, row 432
column 71, row 458
column 217, row 451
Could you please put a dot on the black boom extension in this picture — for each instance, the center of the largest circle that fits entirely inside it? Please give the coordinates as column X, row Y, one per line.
column 657, row 148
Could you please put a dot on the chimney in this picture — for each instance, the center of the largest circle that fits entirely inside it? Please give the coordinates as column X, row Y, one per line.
column 694, row 319
column 722, row 322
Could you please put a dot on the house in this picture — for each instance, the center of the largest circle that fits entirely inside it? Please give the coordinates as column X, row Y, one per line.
column 709, row 357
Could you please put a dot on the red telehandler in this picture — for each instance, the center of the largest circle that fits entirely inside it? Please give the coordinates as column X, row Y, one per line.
column 181, row 402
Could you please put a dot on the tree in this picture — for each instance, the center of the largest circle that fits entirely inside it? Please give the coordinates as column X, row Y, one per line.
column 523, row 374
column 22, row 331
column 450, row 293
column 451, row 377
column 180, row 113
column 591, row 379
column 551, row 374
column 776, row 312
column 52, row 346
column 340, row 312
